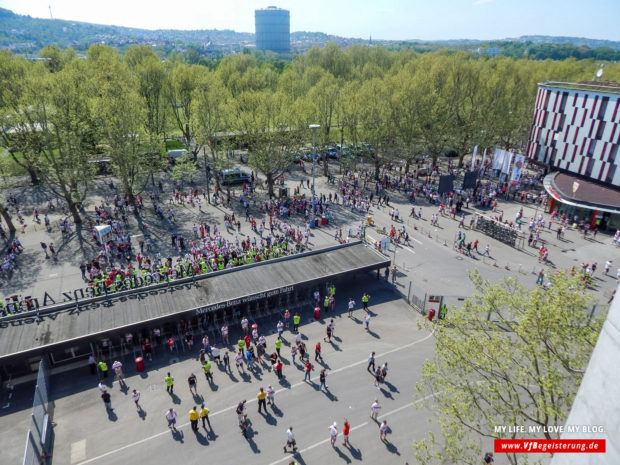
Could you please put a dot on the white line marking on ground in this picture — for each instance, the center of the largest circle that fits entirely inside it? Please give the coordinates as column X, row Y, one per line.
column 78, row 451
column 408, row 249
column 324, row 441
column 53, row 275
column 415, row 240
column 227, row 409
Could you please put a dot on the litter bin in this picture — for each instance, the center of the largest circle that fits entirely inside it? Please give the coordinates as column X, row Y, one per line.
column 317, row 313
column 139, row 364
column 323, row 220
column 316, row 222
column 311, row 224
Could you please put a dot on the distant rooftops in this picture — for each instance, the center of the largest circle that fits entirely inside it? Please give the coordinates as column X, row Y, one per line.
column 594, row 86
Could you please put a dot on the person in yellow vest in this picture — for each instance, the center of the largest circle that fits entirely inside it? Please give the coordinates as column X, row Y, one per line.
column 207, row 370
column 193, row 418
column 296, row 319
column 278, row 345
column 204, row 415
column 169, row 383
column 365, row 299
column 326, row 304
column 103, row 368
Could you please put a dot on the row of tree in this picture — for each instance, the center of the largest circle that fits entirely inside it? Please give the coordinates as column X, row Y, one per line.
column 57, row 111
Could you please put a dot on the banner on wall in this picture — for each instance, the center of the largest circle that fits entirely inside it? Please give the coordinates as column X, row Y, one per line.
column 516, row 169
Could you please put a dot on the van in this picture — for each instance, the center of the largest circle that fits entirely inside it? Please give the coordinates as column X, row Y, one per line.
column 233, row 176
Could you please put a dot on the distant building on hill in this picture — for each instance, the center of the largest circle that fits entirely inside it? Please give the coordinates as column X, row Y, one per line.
column 273, row 29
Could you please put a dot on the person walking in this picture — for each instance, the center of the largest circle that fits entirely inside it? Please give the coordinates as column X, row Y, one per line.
column 102, row 387
column 278, row 345
column 384, row 370
column 206, row 368
column 333, row 433
column 367, row 321
column 92, row 363
column 351, row 306
column 378, row 378
column 271, row 394
column 118, row 372
column 317, row 352
column 371, row 362
column 226, row 359
column 293, row 353
column 171, row 416
column 365, row 299
column 136, row 398
column 240, row 411
column 278, row 369
column 296, row 320
column 383, row 431
column 192, row 383
column 204, row 416
column 290, row 440
column 169, row 383
column 345, row 432
column 375, row 408
column 302, row 350
column 224, row 332
column 323, row 379
column 261, row 396
column 193, row 418
column 308, row 369
column 107, row 400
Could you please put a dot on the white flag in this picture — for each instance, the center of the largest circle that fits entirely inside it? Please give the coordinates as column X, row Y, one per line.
column 473, row 158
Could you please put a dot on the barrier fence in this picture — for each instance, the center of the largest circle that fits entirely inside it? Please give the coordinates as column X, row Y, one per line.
column 40, row 436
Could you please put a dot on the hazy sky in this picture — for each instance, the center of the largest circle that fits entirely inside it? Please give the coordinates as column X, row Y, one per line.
column 381, row 19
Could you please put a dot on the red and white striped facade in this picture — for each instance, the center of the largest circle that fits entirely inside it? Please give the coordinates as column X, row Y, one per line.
column 576, row 128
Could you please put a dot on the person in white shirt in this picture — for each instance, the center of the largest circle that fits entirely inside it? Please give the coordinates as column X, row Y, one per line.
column 290, row 439
column 171, row 416
column 333, row 433
column 271, row 395
column 375, row 408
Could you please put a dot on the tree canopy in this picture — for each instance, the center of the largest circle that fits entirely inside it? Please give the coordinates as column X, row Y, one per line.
column 509, row 356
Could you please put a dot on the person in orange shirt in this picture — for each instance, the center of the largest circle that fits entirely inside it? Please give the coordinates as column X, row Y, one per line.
column 345, row 432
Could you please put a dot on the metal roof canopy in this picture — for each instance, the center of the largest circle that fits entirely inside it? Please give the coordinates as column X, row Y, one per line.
column 29, row 334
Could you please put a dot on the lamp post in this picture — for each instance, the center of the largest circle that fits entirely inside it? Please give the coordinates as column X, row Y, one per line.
column 314, row 128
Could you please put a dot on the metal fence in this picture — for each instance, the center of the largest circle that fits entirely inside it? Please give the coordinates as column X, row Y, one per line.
column 40, row 437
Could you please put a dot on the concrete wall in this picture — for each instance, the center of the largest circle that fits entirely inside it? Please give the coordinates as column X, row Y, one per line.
column 598, row 399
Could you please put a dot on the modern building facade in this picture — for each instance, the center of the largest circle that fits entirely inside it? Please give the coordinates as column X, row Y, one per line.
column 575, row 132
column 273, row 29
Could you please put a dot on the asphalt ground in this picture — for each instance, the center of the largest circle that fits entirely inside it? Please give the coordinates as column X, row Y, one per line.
column 86, row 434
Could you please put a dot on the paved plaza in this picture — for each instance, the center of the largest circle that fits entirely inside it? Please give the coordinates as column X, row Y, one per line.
column 430, row 264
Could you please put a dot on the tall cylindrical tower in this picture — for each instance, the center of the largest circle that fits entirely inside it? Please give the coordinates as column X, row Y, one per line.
column 273, row 29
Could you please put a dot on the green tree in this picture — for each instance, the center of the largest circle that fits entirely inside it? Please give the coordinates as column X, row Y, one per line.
column 121, row 113
column 19, row 81
column 322, row 100
column 184, row 168
column 509, row 356
column 68, row 133
column 263, row 120
column 211, row 117
column 182, row 82
column 152, row 77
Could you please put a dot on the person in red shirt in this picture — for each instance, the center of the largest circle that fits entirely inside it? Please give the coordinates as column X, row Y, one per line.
column 308, row 370
column 345, row 432
column 247, row 340
column 317, row 352
column 279, row 368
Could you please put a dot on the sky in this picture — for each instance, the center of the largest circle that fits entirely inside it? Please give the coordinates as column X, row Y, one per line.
column 379, row 19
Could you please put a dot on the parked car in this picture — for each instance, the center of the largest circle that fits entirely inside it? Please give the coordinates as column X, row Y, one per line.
column 332, row 152
column 233, row 176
